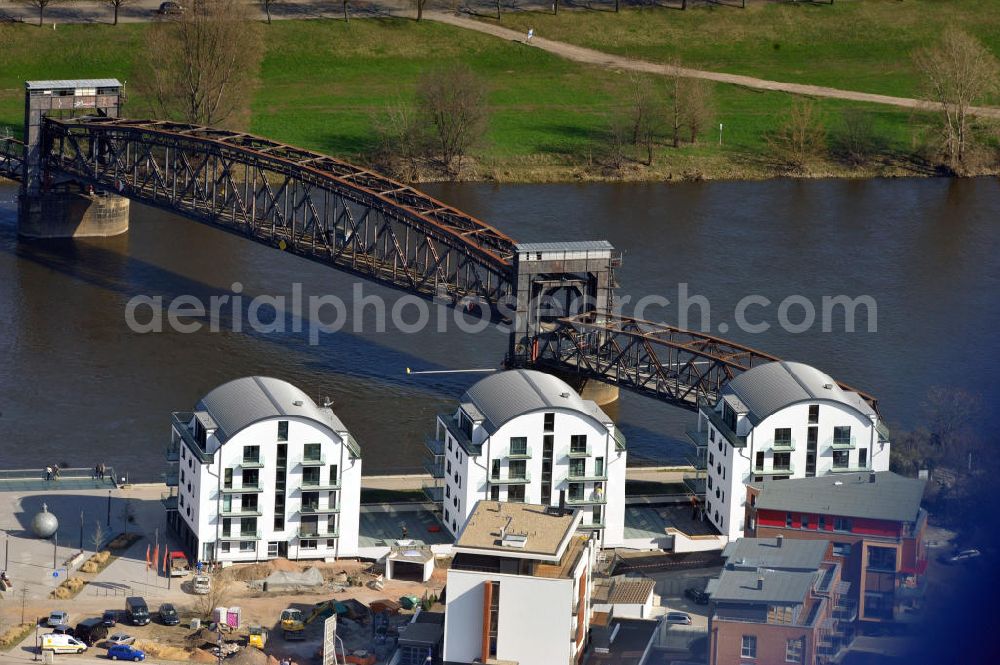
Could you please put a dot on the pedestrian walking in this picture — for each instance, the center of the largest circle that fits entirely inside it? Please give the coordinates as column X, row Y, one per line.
column 101, row 470
column 48, row 473
column 405, row 532
column 97, row 471
column 531, row 33
column 55, row 471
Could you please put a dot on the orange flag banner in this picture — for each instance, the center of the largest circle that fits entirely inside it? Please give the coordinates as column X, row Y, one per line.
column 147, row 557
column 156, row 558
column 166, row 558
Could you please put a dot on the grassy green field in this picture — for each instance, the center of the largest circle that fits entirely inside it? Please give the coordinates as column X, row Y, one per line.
column 853, row 44
column 323, row 84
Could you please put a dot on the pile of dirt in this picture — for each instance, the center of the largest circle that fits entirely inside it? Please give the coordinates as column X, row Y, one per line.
column 248, row 656
column 202, row 635
column 248, row 572
column 284, row 565
column 167, row 652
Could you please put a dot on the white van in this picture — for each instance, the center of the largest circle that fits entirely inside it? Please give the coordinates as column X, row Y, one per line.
column 62, row 644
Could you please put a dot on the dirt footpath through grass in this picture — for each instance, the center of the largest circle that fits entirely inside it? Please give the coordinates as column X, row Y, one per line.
column 592, row 57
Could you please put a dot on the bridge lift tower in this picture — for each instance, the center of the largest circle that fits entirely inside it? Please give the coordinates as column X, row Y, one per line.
column 554, row 280
column 50, row 209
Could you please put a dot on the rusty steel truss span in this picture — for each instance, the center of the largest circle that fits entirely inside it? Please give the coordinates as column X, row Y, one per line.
column 11, row 158
column 298, row 200
column 674, row 365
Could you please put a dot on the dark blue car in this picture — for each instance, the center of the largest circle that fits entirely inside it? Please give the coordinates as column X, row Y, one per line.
column 126, row 652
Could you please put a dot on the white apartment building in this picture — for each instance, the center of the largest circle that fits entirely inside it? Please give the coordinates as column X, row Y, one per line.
column 263, row 472
column 519, row 587
column 525, row 436
column 781, row 420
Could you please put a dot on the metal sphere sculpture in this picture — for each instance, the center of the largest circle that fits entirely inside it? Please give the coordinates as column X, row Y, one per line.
column 44, row 524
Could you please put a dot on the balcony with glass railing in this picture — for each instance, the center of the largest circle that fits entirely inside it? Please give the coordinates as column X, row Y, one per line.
column 576, row 452
column 511, row 480
column 314, row 460
column 523, row 452
column 586, row 476
column 850, row 468
column 241, row 535
column 783, row 470
column 243, row 489
column 316, row 531
column 783, row 445
column 434, row 467
column 587, row 499
column 842, row 443
column 314, row 509
column 241, row 511
column 252, row 462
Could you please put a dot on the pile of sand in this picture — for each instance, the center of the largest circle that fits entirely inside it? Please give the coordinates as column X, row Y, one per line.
column 167, row 652
column 259, row 571
column 248, row 656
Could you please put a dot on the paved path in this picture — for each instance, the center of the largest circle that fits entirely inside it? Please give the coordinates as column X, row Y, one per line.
column 593, row 57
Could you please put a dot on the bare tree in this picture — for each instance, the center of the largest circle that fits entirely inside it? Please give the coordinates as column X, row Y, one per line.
column 347, row 6
column 40, row 5
column 97, row 538
column 957, row 73
column 646, row 118
column 201, row 67
column 800, row 137
column 698, row 106
column 267, row 5
column 420, row 8
column 116, row 5
column 452, row 103
column 399, row 140
column 220, row 592
column 856, row 141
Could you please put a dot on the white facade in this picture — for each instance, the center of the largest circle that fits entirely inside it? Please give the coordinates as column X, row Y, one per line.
column 525, row 436
column 782, row 420
column 264, row 472
column 532, row 616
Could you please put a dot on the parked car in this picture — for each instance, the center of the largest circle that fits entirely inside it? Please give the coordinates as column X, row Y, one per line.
column 90, row 631
column 697, row 595
column 62, row 644
column 170, row 9
column 120, row 638
column 961, row 556
column 168, row 615
column 679, row 617
column 56, row 618
column 110, row 618
column 136, row 611
column 126, row 652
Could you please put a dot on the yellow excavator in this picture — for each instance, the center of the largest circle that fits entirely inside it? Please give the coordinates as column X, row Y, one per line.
column 292, row 624
column 257, row 637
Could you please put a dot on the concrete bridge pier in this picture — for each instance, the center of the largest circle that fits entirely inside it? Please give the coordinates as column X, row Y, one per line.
column 65, row 214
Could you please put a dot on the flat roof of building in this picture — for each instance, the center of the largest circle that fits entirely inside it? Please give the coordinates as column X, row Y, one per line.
column 770, row 387
column 890, row 497
column 571, row 246
column 782, row 587
column 630, row 642
column 518, row 530
column 502, row 396
column 66, row 84
column 778, row 553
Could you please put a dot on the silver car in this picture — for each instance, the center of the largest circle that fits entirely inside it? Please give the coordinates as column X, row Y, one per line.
column 120, row 638
column 57, row 618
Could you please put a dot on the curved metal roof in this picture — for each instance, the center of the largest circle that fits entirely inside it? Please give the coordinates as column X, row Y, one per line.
column 245, row 401
column 768, row 388
column 505, row 395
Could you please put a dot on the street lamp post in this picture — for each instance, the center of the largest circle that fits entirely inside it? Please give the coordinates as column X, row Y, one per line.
column 81, row 530
column 109, row 507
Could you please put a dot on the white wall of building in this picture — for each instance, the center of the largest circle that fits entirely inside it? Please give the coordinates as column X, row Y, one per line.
column 729, row 469
column 201, row 496
column 467, row 479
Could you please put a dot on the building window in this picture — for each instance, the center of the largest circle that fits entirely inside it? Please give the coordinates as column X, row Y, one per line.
column 711, row 458
column 575, row 492
column 494, row 469
column 447, row 491
column 309, row 544
column 842, row 524
column 279, row 522
column 729, row 417
column 495, row 493
column 814, row 414
column 822, row 522
column 710, row 482
column 863, row 458
column 311, row 452
column 227, row 478
column 494, row 615
column 748, row 649
column 599, row 466
column 788, row 520
column 251, row 478
column 518, row 445
column 518, row 469
column 181, row 500
column 760, row 459
column 779, row 614
column 782, row 461
column 842, row 549
column 334, row 474
column 448, row 465
column 578, row 468
column 578, row 444
column 794, row 649
column 550, row 423
column 251, row 454
column 247, row 546
column 515, row 494
column 805, row 521
column 881, row 558
column 224, row 548
column 842, row 435
column 783, row 436
column 841, row 459
column 331, row 543
column 282, row 430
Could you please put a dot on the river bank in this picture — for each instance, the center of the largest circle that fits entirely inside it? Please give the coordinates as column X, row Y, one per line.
column 327, row 85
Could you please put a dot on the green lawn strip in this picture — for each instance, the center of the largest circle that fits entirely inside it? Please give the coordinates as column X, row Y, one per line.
column 853, row 44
